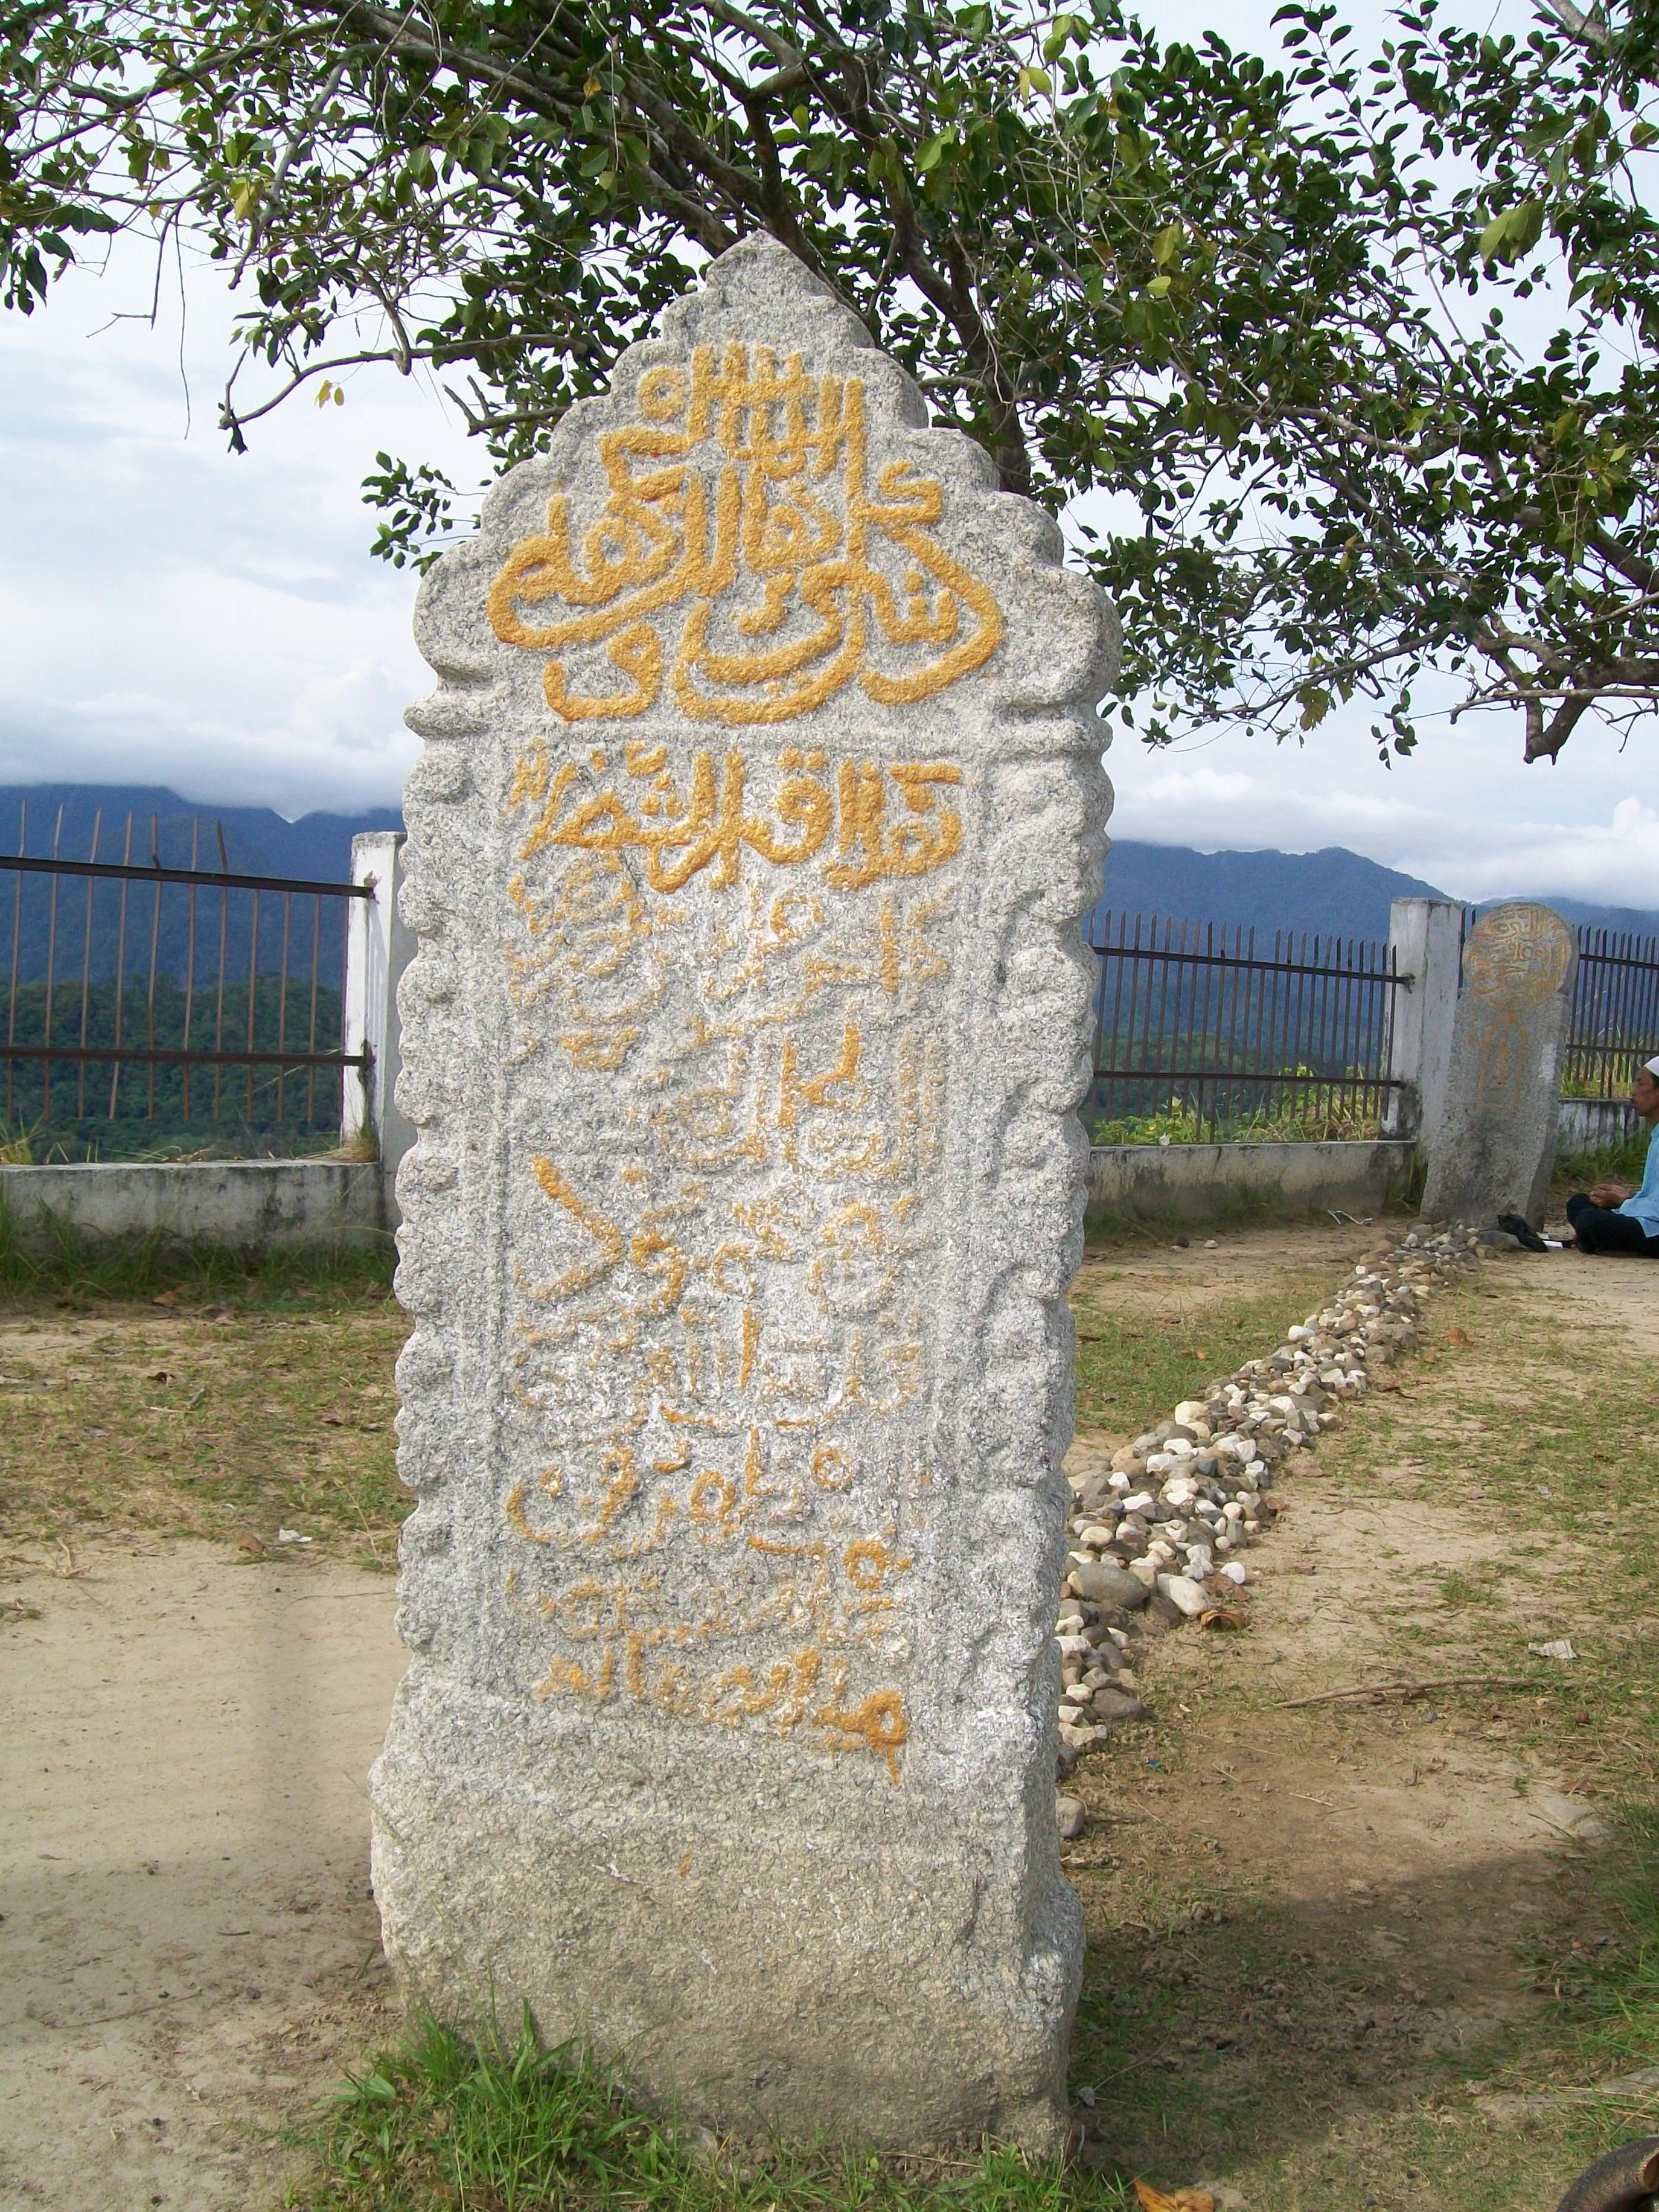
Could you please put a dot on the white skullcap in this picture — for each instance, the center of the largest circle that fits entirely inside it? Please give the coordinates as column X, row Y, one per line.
column 1652, row 1066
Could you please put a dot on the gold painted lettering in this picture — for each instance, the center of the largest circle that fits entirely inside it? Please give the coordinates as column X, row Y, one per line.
column 785, row 508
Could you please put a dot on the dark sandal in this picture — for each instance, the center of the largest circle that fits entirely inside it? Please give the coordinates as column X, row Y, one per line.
column 1522, row 1232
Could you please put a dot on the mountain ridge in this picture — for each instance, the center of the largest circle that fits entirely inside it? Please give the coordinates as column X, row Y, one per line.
column 1333, row 892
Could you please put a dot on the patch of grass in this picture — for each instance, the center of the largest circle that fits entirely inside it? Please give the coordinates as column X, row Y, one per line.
column 1618, row 1997
column 1623, row 1163
column 66, row 1263
column 440, row 2124
column 1135, row 1366
column 189, row 1415
column 1246, row 2020
column 1240, row 1208
column 1470, row 1586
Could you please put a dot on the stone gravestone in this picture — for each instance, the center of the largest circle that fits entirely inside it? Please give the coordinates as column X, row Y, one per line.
column 1495, row 1144
column 744, row 1036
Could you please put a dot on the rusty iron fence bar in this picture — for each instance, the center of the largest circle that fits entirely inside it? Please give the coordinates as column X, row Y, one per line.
column 1251, row 1075
column 52, row 950
column 272, row 970
column 1151, row 954
column 1617, row 960
column 175, row 1055
column 143, row 873
column 1197, row 1029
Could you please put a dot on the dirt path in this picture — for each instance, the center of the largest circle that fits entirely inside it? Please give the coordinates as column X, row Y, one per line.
column 188, row 1952
column 1324, row 1943
column 1314, row 1931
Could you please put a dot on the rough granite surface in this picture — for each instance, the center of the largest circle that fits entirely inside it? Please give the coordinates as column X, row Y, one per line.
column 761, row 795
column 1496, row 1142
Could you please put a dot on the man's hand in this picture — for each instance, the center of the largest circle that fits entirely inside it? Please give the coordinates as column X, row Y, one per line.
column 1609, row 1193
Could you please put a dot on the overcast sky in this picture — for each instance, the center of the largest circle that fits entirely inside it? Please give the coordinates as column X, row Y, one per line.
column 171, row 614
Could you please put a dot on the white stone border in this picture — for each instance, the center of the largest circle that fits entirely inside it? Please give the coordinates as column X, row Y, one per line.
column 1168, row 1518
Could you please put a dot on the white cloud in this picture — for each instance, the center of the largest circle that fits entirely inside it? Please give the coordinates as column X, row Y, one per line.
column 1615, row 862
column 1465, row 813
column 170, row 613
column 173, row 613
column 1195, row 787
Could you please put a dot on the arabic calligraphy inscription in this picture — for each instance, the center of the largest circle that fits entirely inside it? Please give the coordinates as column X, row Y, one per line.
column 718, row 1305
column 743, row 556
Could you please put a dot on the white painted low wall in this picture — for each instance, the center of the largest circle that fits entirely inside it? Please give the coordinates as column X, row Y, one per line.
column 1589, row 1125
column 1357, row 1176
column 248, row 1203
column 251, row 1204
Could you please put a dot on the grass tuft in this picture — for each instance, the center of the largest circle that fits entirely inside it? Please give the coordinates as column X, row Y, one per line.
column 68, row 1264
column 440, row 2123
column 1618, row 2003
column 1623, row 1163
column 1133, row 1364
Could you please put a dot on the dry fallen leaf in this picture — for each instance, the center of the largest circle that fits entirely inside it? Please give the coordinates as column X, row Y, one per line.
column 1225, row 1616
column 1181, row 2200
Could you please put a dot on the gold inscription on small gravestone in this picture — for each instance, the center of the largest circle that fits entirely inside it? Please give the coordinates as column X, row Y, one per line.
column 1515, row 959
column 777, row 526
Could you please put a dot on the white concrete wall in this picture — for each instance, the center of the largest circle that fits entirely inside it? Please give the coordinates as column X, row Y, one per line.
column 378, row 949
column 253, row 1205
column 1189, row 1180
column 1425, row 936
column 250, row 1205
column 1587, row 1125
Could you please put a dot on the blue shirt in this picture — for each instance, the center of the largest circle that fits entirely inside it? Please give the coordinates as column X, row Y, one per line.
column 1645, row 1206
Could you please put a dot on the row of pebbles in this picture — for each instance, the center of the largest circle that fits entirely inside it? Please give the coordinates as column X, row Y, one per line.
column 1159, row 1531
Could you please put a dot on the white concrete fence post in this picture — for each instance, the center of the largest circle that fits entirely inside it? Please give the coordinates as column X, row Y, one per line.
column 1425, row 937
column 378, row 950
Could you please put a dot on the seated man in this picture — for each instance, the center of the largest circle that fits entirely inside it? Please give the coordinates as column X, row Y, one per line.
column 1611, row 1218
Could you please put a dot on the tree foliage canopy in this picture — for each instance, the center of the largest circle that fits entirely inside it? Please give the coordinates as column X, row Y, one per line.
column 1244, row 298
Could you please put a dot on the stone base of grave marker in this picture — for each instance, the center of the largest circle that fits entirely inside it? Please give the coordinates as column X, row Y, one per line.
column 1495, row 1145
column 748, row 1019
column 807, row 1961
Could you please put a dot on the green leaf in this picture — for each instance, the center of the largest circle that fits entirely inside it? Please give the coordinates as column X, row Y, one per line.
column 1512, row 233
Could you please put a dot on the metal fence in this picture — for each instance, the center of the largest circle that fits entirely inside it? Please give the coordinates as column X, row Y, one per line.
column 153, row 1007
column 1200, row 1033
column 1616, row 1013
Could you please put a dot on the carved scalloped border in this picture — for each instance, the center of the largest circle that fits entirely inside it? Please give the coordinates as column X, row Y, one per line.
column 1051, row 799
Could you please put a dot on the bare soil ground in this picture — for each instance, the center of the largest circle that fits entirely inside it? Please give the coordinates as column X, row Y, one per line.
column 1327, row 1942
column 218, row 1419
column 189, row 1953
column 1334, row 1950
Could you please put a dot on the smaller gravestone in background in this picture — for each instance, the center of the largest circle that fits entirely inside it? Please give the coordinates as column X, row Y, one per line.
column 1495, row 1144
